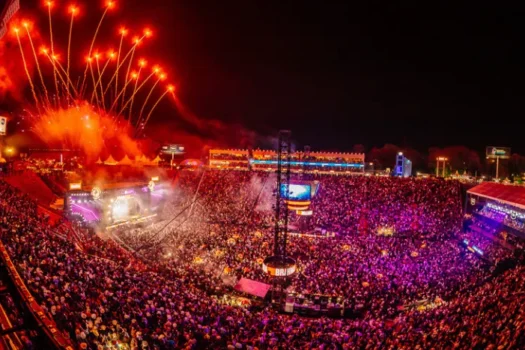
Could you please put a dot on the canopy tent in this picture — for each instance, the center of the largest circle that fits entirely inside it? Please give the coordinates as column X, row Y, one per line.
column 141, row 160
column 125, row 161
column 156, row 160
column 252, row 287
column 110, row 161
column 508, row 194
column 99, row 161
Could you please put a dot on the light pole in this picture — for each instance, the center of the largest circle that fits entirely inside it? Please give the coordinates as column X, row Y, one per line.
column 441, row 159
column 497, row 167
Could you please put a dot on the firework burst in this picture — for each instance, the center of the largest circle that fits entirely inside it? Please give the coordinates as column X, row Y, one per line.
column 106, row 91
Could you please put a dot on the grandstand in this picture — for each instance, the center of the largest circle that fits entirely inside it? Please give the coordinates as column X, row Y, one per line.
column 300, row 162
column 33, row 186
column 205, row 262
column 497, row 209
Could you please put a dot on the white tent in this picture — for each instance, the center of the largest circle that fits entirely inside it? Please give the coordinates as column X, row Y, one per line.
column 110, row 161
column 125, row 161
column 156, row 160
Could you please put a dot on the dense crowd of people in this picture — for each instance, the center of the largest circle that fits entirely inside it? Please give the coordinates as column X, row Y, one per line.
column 159, row 286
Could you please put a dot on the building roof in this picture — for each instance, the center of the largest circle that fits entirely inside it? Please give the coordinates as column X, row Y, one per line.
column 114, row 185
column 508, row 194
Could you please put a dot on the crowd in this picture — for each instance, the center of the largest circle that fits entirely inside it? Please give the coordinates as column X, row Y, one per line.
column 160, row 286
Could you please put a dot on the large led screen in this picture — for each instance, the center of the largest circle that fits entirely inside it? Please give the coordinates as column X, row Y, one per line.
column 297, row 192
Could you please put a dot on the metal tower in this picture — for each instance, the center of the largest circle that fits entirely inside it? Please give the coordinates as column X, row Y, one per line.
column 283, row 185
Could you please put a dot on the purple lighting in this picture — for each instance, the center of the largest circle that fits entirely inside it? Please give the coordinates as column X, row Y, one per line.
column 86, row 213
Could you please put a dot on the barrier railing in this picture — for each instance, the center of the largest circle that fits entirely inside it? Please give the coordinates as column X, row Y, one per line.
column 47, row 325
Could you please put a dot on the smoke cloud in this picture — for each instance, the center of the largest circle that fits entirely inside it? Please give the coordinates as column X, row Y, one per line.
column 86, row 129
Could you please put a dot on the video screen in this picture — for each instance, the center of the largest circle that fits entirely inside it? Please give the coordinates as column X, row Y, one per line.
column 297, row 192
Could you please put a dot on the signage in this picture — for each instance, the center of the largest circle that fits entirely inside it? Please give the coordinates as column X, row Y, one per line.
column 279, row 271
column 3, row 125
column 304, row 212
column 75, row 186
column 95, row 192
column 173, row 149
column 505, row 210
column 498, row 152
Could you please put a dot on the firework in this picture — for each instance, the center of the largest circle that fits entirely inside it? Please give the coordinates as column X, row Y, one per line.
column 73, row 10
column 106, row 96
column 17, row 33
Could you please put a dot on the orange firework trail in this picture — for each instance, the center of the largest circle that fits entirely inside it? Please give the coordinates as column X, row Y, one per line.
column 111, row 56
column 170, row 89
column 123, row 32
column 26, row 26
column 56, row 62
column 97, row 56
column 136, row 91
column 109, row 5
column 133, row 76
column 142, row 64
column 137, row 41
column 162, row 76
column 49, row 6
column 93, row 78
column 73, row 10
column 16, row 30
column 120, row 65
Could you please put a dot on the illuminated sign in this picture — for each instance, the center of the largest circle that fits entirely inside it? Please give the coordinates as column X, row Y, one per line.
column 504, row 210
column 173, row 149
column 279, row 271
column 155, row 178
column 3, row 125
column 220, row 162
column 75, row 186
column 498, row 152
column 305, row 212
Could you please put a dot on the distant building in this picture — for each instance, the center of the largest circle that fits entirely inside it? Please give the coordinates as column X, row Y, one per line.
column 403, row 166
column 300, row 162
column 7, row 11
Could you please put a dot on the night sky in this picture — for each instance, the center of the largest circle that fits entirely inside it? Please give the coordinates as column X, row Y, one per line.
column 339, row 74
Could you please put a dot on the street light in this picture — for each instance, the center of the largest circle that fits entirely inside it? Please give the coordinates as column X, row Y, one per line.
column 9, row 151
column 440, row 159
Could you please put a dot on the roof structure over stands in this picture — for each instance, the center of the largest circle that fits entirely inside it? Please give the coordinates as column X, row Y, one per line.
column 508, row 194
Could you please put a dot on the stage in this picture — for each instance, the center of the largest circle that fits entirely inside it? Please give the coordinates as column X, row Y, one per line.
column 109, row 205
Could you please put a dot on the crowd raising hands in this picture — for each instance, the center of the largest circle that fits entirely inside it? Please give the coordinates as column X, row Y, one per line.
column 159, row 287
